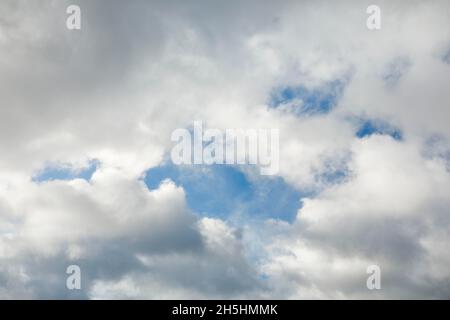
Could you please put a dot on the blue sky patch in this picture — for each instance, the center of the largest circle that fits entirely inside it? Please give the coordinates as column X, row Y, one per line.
column 224, row 191
column 66, row 172
column 301, row 100
column 396, row 69
column 369, row 127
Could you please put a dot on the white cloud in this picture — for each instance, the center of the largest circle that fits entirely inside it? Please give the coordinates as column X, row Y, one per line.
column 391, row 213
column 117, row 89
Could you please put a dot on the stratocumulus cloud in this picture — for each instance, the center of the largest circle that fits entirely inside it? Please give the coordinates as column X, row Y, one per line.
column 86, row 119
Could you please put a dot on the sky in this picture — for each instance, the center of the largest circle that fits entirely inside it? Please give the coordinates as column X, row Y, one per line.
column 86, row 178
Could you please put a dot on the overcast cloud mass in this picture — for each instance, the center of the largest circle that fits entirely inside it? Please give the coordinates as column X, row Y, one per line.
column 86, row 118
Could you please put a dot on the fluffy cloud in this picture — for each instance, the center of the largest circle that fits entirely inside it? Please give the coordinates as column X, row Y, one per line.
column 117, row 229
column 115, row 90
column 392, row 213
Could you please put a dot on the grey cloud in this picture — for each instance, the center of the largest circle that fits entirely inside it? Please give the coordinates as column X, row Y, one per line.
column 115, row 90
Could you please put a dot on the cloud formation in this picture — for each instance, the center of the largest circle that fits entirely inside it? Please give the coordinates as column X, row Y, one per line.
column 364, row 143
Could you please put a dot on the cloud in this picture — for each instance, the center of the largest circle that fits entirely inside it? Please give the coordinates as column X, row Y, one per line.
column 384, row 215
column 115, row 91
column 115, row 228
